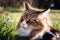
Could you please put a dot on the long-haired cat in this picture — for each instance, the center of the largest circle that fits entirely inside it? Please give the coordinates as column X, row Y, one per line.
column 33, row 24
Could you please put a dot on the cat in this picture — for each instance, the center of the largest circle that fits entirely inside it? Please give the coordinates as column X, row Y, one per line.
column 33, row 23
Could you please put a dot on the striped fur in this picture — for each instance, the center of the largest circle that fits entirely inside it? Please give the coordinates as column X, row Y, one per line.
column 33, row 24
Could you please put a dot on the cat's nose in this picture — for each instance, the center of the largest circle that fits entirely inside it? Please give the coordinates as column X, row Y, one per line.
column 24, row 24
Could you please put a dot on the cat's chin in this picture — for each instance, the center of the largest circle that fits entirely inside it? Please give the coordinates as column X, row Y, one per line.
column 23, row 32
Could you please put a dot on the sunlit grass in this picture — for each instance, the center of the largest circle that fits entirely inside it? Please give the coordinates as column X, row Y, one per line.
column 55, row 17
column 10, row 9
column 7, row 27
column 55, row 11
column 56, row 24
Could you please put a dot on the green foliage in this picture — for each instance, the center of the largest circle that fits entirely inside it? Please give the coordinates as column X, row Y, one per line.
column 56, row 24
column 10, row 9
column 7, row 27
column 55, row 11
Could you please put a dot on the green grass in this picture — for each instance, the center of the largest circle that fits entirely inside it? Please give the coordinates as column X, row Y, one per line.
column 55, row 11
column 55, row 17
column 56, row 24
column 7, row 27
column 10, row 9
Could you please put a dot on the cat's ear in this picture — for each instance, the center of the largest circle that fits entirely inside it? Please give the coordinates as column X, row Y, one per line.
column 26, row 6
column 45, row 12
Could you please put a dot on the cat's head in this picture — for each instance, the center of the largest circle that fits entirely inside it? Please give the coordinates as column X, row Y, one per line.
column 34, row 18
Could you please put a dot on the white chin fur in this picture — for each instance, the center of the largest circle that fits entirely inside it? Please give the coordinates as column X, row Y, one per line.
column 24, row 30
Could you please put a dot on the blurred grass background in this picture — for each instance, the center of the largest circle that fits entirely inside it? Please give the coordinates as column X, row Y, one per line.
column 9, row 17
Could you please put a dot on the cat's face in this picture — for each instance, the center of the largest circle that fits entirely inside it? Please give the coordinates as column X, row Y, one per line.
column 32, row 19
